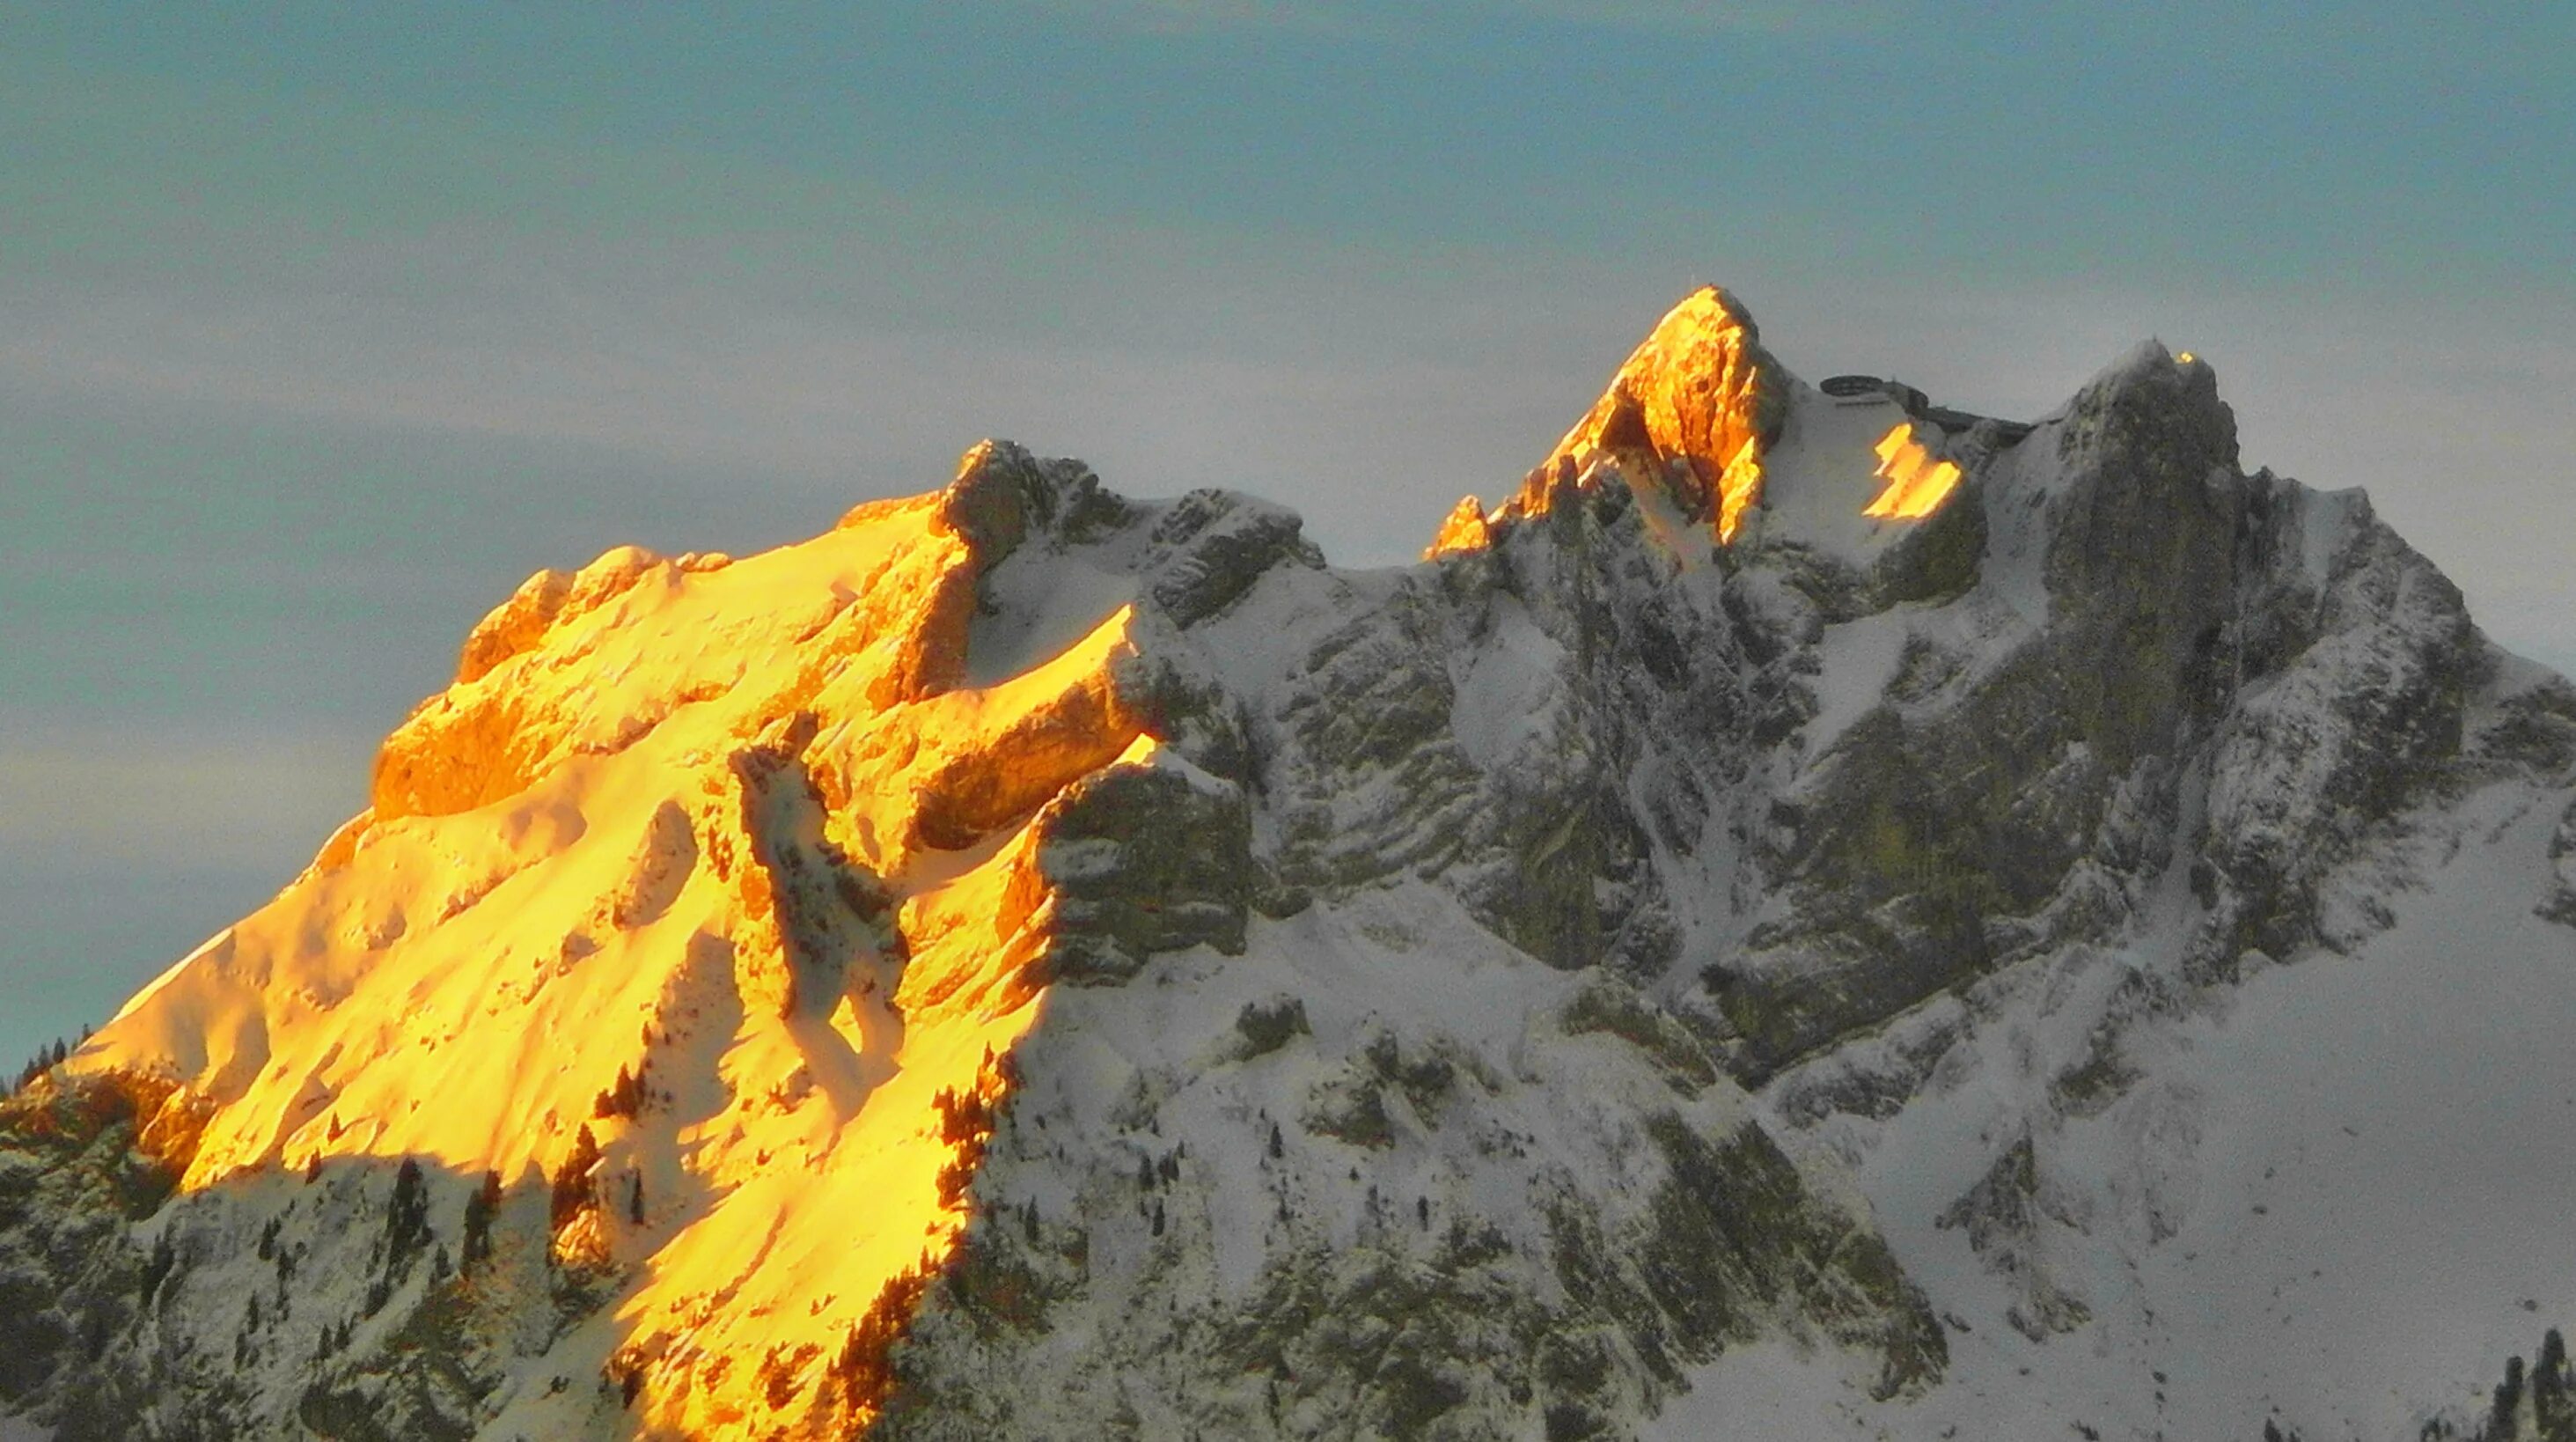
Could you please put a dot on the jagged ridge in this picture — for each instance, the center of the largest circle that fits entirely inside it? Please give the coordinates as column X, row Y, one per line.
column 1030, row 961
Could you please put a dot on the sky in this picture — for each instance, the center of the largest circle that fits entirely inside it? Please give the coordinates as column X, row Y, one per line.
column 321, row 326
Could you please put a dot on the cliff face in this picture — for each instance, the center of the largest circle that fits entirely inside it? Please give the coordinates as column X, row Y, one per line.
column 1691, row 411
column 1030, row 962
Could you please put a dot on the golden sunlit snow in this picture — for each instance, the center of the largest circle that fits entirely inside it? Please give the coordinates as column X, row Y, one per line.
column 559, row 886
column 1916, row 483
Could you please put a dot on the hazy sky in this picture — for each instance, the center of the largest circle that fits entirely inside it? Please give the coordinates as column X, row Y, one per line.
column 321, row 326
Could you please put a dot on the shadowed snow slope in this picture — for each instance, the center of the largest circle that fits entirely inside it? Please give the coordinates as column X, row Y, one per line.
column 1818, row 913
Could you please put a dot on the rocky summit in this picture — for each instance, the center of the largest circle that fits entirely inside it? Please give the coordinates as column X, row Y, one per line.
column 1818, row 915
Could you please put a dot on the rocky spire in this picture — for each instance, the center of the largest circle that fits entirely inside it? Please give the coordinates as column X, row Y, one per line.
column 1687, row 415
column 1692, row 408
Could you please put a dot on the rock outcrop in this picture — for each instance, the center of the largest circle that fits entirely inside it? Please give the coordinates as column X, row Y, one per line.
column 1691, row 410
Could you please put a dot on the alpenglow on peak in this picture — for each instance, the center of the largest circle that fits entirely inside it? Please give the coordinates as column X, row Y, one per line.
column 1819, row 910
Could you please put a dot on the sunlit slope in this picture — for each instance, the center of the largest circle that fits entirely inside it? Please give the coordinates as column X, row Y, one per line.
column 605, row 853
column 1717, row 442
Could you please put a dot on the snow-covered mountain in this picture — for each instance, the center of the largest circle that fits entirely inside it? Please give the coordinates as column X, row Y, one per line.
column 1820, row 915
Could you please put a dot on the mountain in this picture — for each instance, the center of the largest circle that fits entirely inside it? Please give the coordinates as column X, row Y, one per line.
column 1820, row 914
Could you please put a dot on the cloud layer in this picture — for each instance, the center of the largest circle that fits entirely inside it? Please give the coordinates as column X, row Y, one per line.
column 1360, row 21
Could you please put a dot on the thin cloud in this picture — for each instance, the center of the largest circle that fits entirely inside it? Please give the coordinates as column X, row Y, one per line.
column 127, row 800
column 1337, row 387
column 1360, row 22
column 1704, row 15
column 1181, row 17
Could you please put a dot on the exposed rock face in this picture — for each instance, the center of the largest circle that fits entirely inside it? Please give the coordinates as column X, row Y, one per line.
column 1148, row 855
column 73, row 1182
column 2006, row 1216
column 1692, row 410
column 1034, row 963
column 2560, row 903
column 2033, row 794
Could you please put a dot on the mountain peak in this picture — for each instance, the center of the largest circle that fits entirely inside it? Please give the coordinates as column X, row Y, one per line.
column 2151, row 389
column 1688, row 413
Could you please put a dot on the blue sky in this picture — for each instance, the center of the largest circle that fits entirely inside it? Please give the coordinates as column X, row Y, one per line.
column 321, row 325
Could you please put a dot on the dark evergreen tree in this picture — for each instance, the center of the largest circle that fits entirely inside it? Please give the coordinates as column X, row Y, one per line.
column 574, row 1189
column 479, row 1209
column 406, row 1219
column 47, row 1057
column 864, row 1370
column 2502, row 1423
column 2553, row 1412
column 624, row 1098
